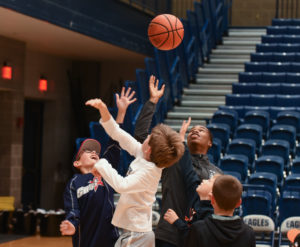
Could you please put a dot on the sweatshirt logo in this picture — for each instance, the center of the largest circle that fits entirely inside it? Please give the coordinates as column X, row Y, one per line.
column 93, row 185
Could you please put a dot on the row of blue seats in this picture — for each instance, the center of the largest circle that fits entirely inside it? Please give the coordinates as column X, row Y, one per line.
column 280, row 77
column 270, row 56
column 265, row 88
column 285, row 22
column 272, row 67
column 277, row 47
column 283, row 30
column 284, row 38
column 263, row 100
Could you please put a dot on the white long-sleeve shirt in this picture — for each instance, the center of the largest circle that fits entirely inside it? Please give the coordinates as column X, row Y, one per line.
column 137, row 189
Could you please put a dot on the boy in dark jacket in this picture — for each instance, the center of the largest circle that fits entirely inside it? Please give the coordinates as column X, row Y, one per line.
column 88, row 199
column 222, row 229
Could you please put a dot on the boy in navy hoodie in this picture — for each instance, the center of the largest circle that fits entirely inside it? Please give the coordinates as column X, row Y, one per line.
column 88, row 199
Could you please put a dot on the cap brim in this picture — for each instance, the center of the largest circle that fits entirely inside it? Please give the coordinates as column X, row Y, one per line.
column 89, row 144
column 292, row 234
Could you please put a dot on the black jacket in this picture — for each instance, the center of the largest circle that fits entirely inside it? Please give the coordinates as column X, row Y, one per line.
column 220, row 232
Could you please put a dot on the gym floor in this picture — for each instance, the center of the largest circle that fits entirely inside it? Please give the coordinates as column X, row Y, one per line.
column 38, row 241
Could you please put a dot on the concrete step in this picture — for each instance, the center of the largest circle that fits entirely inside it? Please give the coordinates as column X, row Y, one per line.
column 246, row 31
column 231, row 52
column 224, row 65
column 185, row 115
column 178, row 122
column 194, row 109
column 226, row 71
column 215, row 81
column 201, row 103
column 236, row 47
column 216, row 92
column 241, row 42
column 220, row 76
column 229, row 61
column 229, row 56
column 203, row 97
column 211, row 86
column 242, row 38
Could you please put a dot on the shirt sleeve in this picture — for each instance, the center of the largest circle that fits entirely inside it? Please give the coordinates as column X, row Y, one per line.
column 144, row 121
column 126, row 141
column 132, row 183
column 71, row 204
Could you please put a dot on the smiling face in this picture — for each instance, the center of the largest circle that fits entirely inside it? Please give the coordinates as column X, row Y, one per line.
column 86, row 161
column 199, row 139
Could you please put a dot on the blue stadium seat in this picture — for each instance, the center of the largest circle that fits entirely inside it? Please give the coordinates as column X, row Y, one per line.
column 256, row 67
column 289, row 204
column 293, row 39
column 151, row 67
column 261, row 57
column 293, row 77
column 183, row 66
column 272, row 39
column 297, row 57
column 277, row 147
column 284, row 57
column 290, row 88
column 79, row 140
column 292, row 180
column 279, row 67
column 243, row 88
column 274, row 110
column 245, row 147
column 227, row 117
column 281, row 22
column 286, row 225
column 294, row 67
column 239, row 109
column 142, row 85
column 235, row 163
column 250, row 131
column 261, row 118
column 296, row 166
column 287, row 100
column 250, row 77
column 215, row 151
column 234, row 174
column 277, row 30
column 271, row 164
column 288, row 48
column 284, row 132
column 220, row 131
column 263, row 99
column 97, row 132
column 290, row 118
column 273, row 77
column 268, row 88
column 237, row 99
column 267, row 47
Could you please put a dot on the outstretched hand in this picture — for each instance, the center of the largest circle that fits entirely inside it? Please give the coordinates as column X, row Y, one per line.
column 184, row 127
column 101, row 106
column 125, row 99
column 67, row 228
column 155, row 94
column 170, row 216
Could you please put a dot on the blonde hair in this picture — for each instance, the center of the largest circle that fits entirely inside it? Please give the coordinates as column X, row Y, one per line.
column 166, row 146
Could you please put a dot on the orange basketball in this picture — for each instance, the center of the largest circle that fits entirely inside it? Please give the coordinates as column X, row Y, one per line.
column 165, row 32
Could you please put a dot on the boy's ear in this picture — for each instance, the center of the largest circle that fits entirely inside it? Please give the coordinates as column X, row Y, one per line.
column 148, row 151
column 210, row 195
column 76, row 164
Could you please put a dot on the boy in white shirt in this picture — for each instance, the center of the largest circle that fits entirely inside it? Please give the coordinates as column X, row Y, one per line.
column 162, row 148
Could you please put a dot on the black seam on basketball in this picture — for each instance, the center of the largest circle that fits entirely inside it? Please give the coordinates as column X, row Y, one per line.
column 176, row 29
column 163, row 32
column 160, row 25
column 171, row 28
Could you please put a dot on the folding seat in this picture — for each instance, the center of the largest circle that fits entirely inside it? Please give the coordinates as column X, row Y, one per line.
column 261, row 57
column 277, row 147
column 268, row 88
column 284, row 132
column 215, row 151
column 295, row 67
column 273, row 77
column 284, row 57
column 292, row 180
column 286, row 225
column 250, row 131
column 279, row 67
column 287, row 100
column 243, row 88
column 183, row 66
column 277, row 30
column 288, row 48
column 295, row 22
column 239, row 109
column 274, row 110
column 245, row 147
column 293, row 77
column 281, row 22
column 295, row 168
column 289, row 204
column 250, row 77
column 234, row 174
column 266, row 48
column 290, row 118
column 290, row 88
column 263, row 99
column 272, row 39
column 271, row 164
column 220, row 131
column 263, row 227
column 297, row 57
column 227, row 117
column 293, row 39
column 256, row 67
column 236, row 163
column 237, row 99
column 261, row 118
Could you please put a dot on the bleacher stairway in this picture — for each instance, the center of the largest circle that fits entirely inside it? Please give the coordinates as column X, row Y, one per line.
column 213, row 81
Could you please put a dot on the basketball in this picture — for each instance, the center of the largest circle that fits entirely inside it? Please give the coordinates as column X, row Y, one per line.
column 165, row 32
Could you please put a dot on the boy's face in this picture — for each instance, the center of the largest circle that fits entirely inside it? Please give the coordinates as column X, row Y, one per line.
column 199, row 135
column 146, row 148
column 86, row 161
column 204, row 189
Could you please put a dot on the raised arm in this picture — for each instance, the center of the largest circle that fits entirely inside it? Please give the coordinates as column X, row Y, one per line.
column 144, row 120
column 125, row 140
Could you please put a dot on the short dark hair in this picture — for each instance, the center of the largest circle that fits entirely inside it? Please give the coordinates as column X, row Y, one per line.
column 227, row 191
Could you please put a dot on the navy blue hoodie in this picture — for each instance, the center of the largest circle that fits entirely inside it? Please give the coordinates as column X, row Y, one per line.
column 89, row 206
